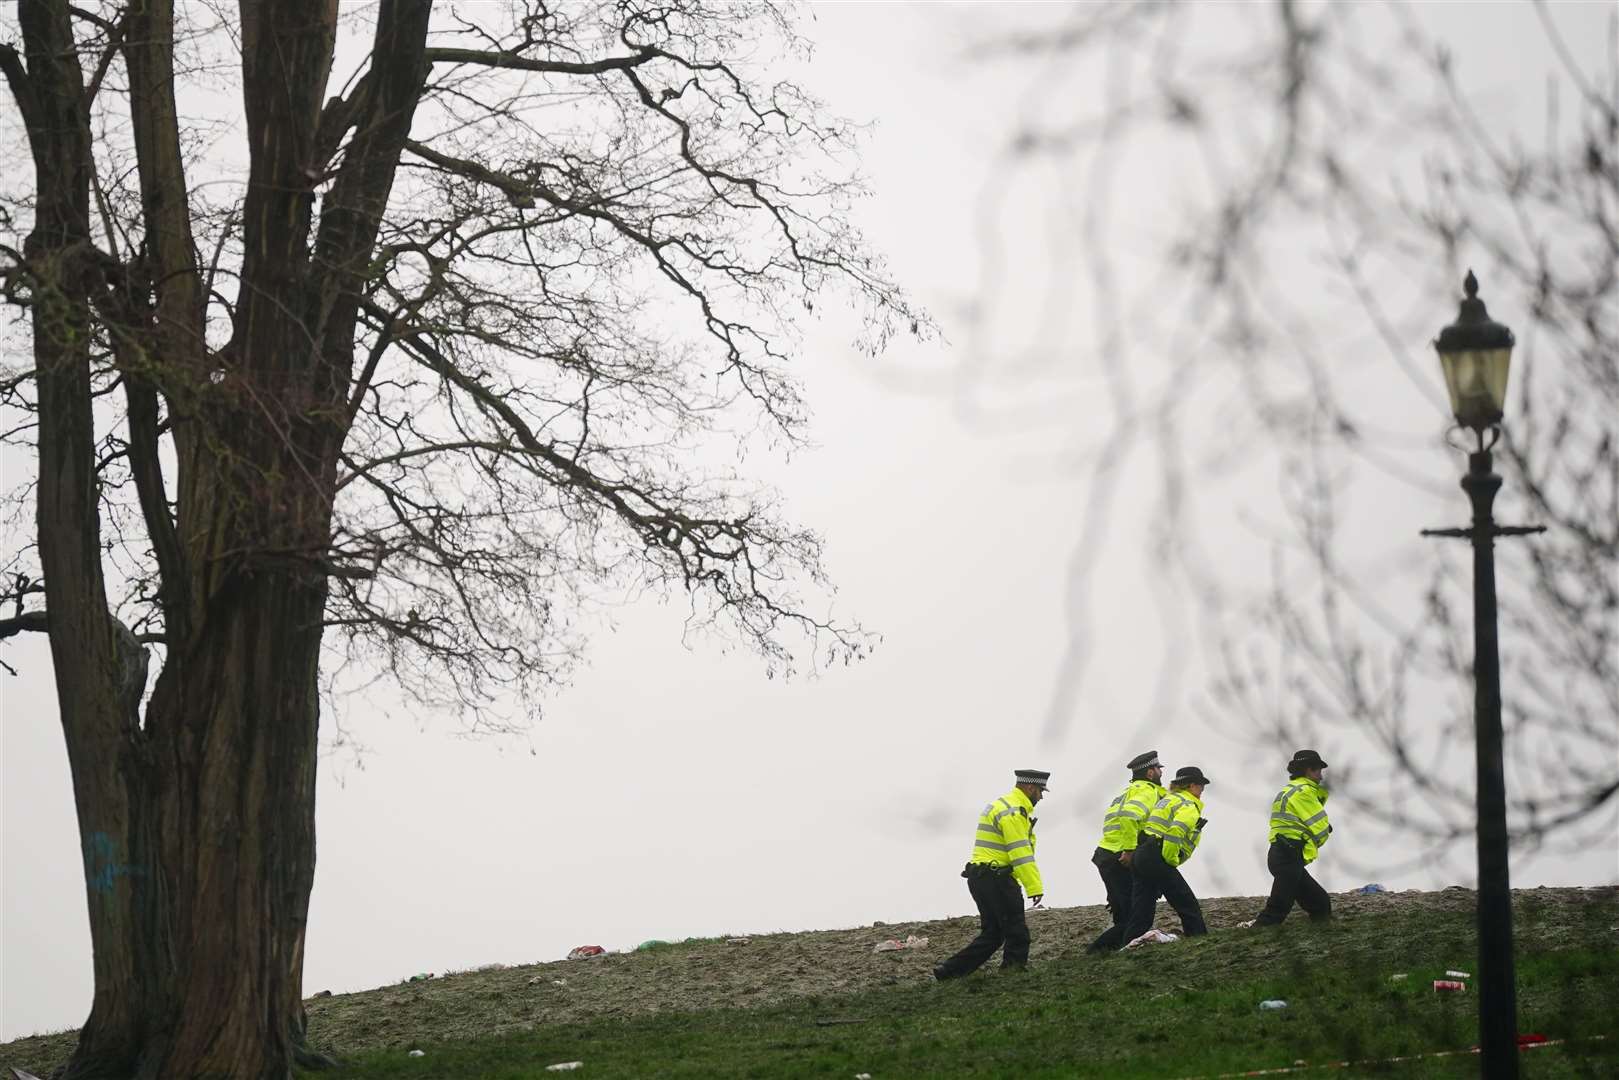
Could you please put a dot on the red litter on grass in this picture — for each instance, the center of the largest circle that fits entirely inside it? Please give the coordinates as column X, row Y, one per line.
column 1530, row 1038
column 1448, row 984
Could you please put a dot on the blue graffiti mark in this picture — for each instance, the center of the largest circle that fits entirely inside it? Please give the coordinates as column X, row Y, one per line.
column 102, row 866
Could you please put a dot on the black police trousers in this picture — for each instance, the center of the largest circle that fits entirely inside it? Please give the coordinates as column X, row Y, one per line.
column 1000, row 921
column 1154, row 878
column 1290, row 882
column 1120, row 885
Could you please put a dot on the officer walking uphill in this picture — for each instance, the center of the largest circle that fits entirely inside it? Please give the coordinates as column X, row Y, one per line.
column 1167, row 840
column 1001, row 870
column 1298, row 828
column 1120, row 827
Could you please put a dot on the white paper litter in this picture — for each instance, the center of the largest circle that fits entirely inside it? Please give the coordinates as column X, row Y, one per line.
column 1151, row 936
column 418, row 1053
column 893, row 945
column 565, row 1066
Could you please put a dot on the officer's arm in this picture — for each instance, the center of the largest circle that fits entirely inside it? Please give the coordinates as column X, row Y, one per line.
column 1134, row 811
column 1313, row 815
column 1019, row 840
column 1194, row 828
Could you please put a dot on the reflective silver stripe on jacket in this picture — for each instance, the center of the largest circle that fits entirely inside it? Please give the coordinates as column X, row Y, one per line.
column 1281, row 817
column 1174, row 833
column 1010, row 809
column 993, row 846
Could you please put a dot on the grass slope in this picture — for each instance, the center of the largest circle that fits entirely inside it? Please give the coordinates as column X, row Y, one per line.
column 822, row 1004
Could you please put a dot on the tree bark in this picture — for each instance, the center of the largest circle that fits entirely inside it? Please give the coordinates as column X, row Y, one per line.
column 198, row 825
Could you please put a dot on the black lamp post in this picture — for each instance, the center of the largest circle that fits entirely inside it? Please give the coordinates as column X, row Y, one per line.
column 1476, row 352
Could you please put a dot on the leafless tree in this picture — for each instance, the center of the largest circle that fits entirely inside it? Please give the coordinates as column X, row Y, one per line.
column 1333, row 184
column 395, row 375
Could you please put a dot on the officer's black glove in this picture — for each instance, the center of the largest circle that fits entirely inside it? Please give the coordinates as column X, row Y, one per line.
column 1035, row 900
column 1202, row 821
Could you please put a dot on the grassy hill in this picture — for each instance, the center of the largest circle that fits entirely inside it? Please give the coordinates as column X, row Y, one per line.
column 823, row 1004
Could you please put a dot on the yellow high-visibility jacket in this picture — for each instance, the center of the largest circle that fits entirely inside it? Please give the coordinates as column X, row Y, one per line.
column 1127, row 813
column 1177, row 820
column 1299, row 812
column 1005, row 837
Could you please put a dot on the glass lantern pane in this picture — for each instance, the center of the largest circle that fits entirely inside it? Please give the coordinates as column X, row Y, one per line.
column 1497, row 365
column 1477, row 381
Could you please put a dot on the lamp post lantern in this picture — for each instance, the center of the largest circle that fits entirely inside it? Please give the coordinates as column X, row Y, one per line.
column 1476, row 353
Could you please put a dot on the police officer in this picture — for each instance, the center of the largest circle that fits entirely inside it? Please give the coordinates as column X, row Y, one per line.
column 1168, row 838
column 1000, row 871
column 1298, row 828
column 1120, row 825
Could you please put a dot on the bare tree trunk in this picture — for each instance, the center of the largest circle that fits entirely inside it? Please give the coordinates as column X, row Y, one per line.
column 198, row 826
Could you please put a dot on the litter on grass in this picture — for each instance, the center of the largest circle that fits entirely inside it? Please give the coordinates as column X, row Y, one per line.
column 1399, row 977
column 894, row 945
column 585, row 952
column 1457, row 975
column 649, row 945
column 565, row 1066
column 1297, row 1067
column 1451, row 985
column 1152, row 936
column 1245, row 924
column 1273, row 1003
column 423, row 977
column 737, row 940
column 418, row 1053
column 1372, row 888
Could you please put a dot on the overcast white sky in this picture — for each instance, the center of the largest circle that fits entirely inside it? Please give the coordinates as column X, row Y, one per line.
column 838, row 800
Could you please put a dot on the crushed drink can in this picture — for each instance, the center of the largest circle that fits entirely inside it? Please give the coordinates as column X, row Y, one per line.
column 1448, row 984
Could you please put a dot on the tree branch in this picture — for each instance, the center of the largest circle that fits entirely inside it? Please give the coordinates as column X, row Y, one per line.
column 28, row 620
column 351, row 214
column 22, row 91
column 518, row 62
